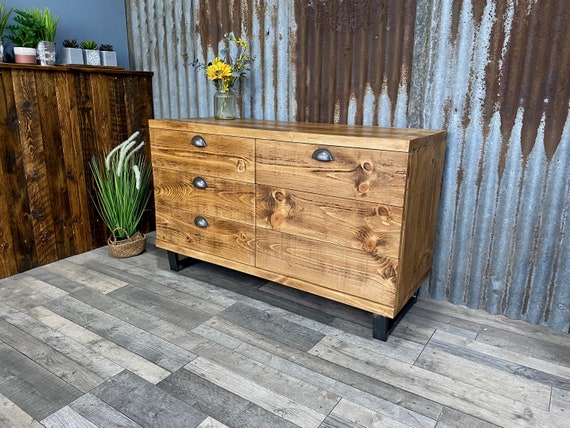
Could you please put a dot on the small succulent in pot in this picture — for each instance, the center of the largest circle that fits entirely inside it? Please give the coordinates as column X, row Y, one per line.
column 106, row 48
column 108, row 55
column 70, row 43
column 89, row 45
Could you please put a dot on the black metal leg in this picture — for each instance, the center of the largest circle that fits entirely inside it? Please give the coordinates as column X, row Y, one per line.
column 383, row 326
column 176, row 263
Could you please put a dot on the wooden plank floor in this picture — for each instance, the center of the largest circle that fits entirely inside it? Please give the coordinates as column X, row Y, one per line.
column 92, row 341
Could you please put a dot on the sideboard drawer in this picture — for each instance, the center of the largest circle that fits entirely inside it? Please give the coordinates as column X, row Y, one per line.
column 348, row 172
column 207, row 234
column 366, row 226
column 211, row 196
column 338, row 268
column 216, row 155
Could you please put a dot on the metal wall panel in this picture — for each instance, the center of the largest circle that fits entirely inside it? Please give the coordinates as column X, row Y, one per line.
column 494, row 73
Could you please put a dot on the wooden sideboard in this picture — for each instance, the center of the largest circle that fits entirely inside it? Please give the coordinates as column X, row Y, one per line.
column 52, row 121
column 345, row 212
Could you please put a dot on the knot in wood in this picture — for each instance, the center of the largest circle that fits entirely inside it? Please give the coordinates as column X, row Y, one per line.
column 363, row 188
column 279, row 196
column 367, row 166
column 369, row 245
column 241, row 165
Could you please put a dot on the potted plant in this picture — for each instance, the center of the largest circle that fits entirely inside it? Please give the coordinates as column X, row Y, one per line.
column 26, row 33
column 4, row 17
column 46, row 45
column 71, row 53
column 108, row 55
column 90, row 52
column 122, row 183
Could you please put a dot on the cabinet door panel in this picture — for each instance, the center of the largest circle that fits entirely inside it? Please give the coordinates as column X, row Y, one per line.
column 223, row 238
column 211, row 196
column 339, row 268
column 365, row 226
column 222, row 156
column 369, row 175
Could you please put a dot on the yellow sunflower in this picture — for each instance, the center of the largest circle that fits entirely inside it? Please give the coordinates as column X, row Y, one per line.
column 218, row 69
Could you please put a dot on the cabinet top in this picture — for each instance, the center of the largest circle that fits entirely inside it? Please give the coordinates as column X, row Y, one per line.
column 373, row 137
column 73, row 68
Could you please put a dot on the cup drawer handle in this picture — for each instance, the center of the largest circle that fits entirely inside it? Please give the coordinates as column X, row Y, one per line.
column 201, row 222
column 199, row 183
column 198, row 141
column 323, row 155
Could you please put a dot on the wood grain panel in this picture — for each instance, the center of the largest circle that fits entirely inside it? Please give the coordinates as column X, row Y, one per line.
column 228, row 157
column 343, row 269
column 78, row 223
column 228, row 199
column 373, row 228
column 421, row 208
column 371, row 175
column 224, row 238
column 35, row 168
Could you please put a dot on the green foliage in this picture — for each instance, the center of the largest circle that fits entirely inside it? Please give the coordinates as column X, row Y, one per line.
column 89, row 44
column 70, row 43
column 104, row 47
column 122, row 180
column 4, row 17
column 32, row 26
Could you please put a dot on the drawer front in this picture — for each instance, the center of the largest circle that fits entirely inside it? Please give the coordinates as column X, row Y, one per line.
column 342, row 269
column 345, row 172
column 208, row 195
column 365, row 226
column 215, row 155
column 224, row 238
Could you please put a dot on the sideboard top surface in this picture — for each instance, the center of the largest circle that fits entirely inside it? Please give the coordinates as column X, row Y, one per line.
column 373, row 137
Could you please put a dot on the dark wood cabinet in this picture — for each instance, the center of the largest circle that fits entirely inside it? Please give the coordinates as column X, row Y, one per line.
column 52, row 121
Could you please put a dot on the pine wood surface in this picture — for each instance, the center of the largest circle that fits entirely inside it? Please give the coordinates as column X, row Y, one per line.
column 99, row 342
column 368, row 137
column 52, row 121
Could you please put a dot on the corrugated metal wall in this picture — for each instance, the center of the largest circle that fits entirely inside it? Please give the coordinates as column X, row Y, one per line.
column 494, row 73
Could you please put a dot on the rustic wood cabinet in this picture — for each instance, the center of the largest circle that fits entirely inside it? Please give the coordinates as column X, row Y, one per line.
column 344, row 212
column 52, row 121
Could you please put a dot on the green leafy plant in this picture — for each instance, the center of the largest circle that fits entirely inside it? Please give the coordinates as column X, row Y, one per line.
column 89, row 44
column 49, row 23
column 28, row 30
column 122, row 182
column 70, row 43
column 4, row 17
column 106, row 48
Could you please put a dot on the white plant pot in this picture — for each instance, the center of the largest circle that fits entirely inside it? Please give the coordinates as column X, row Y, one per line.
column 109, row 58
column 71, row 56
column 25, row 55
column 91, row 57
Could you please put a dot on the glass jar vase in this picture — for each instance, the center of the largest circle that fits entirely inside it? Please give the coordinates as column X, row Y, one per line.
column 225, row 105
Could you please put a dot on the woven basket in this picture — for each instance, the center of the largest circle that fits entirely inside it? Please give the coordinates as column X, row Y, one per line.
column 132, row 246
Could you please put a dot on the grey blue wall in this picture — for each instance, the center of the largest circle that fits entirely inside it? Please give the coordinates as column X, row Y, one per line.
column 101, row 20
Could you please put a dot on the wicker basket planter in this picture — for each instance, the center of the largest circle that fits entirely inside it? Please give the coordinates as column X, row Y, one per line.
column 131, row 246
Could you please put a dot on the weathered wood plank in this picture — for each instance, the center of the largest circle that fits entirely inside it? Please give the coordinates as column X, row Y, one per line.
column 451, row 418
column 477, row 402
column 87, row 277
column 146, row 404
column 18, row 295
column 35, row 168
column 560, row 403
column 252, row 391
column 100, row 413
column 211, row 423
column 217, row 401
column 108, row 349
column 415, row 410
column 49, row 358
column 293, row 387
column 12, row 416
column 151, row 347
column 35, row 390
column 67, row 417
column 486, row 377
column 493, row 357
column 54, row 279
column 349, row 414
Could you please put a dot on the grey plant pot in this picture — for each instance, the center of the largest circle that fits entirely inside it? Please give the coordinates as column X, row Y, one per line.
column 109, row 58
column 92, row 56
column 71, row 56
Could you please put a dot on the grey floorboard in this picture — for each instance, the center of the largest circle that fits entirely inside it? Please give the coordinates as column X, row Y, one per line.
column 94, row 341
